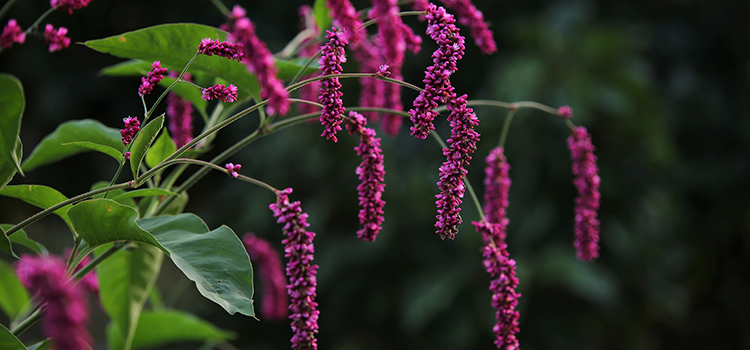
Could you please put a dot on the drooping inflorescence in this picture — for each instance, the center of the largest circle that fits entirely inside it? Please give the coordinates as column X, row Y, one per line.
column 332, row 56
column 470, row 16
column 587, row 181
column 56, row 38
column 154, row 76
column 12, row 33
column 371, row 172
column 496, row 187
column 226, row 49
column 224, row 93
column 347, row 17
column 132, row 125
column 268, row 263
column 299, row 250
column 309, row 92
column 180, row 117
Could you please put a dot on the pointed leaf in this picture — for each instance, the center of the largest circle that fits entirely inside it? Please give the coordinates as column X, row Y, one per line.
column 5, row 244
column 21, row 238
column 110, row 151
column 100, row 221
column 51, row 150
column 145, row 192
column 8, row 169
column 13, row 296
column 162, row 148
column 145, row 137
column 8, row 341
column 159, row 328
column 125, row 280
column 40, row 196
column 322, row 15
column 215, row 260
column 42, row 345
column 12, row 104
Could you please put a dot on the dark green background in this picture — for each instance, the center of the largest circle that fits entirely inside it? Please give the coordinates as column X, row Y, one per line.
column 661, row 85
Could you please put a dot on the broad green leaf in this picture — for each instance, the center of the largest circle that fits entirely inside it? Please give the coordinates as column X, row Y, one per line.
column 40, row 196
column 159, row 328
column 289, row 69
column 100, row 221
column 127, row 69
column 162, row 148
column 51, row 149
column 8, row 169
column 174, row 45
column 5, row 244
column 145, row 192
column 12, row 104
column 8, row 341
column 125, row 281
column 13, row 296
column 215, row 260
column 110, row 151
column 145, row 137
column 20, row 237
column 42, row 345
column 322, row 15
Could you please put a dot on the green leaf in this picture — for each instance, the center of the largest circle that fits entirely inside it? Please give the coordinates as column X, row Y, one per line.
column 145, row 192
column 177, row 205
column 21, row 238
column 110, row 151
column 5, row 244
column 42, row 345
column 13, row 296
column 8, row 341
column 112, row 194
column 322, row 15
column 12, row 104
column 159, row 328
column 162, row 148
column 289, row 69
column 215, row 260
column 100, row 221
column 125, row 281
column 51, row 150
column 145, row 137
column 8, row 169
column 174, row 45
column 40, row 196
column 127, row 69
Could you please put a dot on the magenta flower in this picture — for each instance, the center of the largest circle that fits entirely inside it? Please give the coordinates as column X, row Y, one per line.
column 233, row 169
column 310, row 91
column 502, row 268
column 496, row 187
column 441, row 28
column 65, row 312
column 132, row 125
column 587, row 182
column 180, row 115
column 127, row 155
column 462, row 144
column 267, row 261
column 89, row 282
column 371, row 173
column 565, row 112
column 299, row 249
column 470, row 16
column 226, row 49
column 332, row 56
column 372, row 93
column 260, row 62
column 69, row 5
column 56, row 38
column 12, row 33
column 347, row 18
column 154, row 76
column 223, row 93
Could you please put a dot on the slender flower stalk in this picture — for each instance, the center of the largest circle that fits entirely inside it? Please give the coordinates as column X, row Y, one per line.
column 221, row 92
column 132, row 125
column 69, row 5
column 266, row 259
column 226, row 49
column 587, row 182
column 309, row 92
column 64, row 311
column 12, row 33
column 56, row 38
column 470, row 16
column 502, row 268
column 299, row 249
column 260, row 62
column 347, row 18
column 371, row 172
column 441, row 28
column 462, row 144
column 154, row 76
column 332, row 56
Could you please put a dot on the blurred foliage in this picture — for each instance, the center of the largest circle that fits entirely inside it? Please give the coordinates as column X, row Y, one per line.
column 662, row 86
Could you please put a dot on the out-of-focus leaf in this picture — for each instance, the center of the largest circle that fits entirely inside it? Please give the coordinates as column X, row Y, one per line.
column 8, row 169
column 322, row 15
column 100, row 221
column 127, row 69
column 51, row 149
column 158, row 328
column 42, row 345
column 145, row 192
column 20, row 237
column 110, row 151
column 162, row 148
column 215, row 260
column 8, row 341
column 12, row 104
column 40, row 196
column 145, row 137
column 13, row 296
column 177, row 205
column 5, row 244
column 125, row 281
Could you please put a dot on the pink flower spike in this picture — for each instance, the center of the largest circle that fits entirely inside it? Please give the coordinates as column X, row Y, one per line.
column 233, row 169
column 587, row 182
column 154, row 76
column 180, row 115
column 266, row 261
column 309, row 92
column 132, row 125
column 347, row 18
column 223, row 93
column 12, row 33
column 470, row 16
column 496, row 187
column 565, row 112
column 56, row 38
column 226, row 49
column 69, row 5
column 332, row 56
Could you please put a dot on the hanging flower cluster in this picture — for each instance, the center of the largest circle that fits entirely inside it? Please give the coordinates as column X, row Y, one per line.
column 180, row 116
column 69, row 5
column 347, row 18
column 470, row 16
column 56, row 38
column 310, row 91
column 267, row 261
column 332, row 56
column 154, row 76
column 221, row 92
column 132, row 125
column 587, row 181
column 12, row 33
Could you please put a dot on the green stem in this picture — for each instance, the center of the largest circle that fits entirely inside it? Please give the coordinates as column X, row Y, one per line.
column 161, row 97
column 6, row 8
column 39, row 20
column 506, row 127
column 298, row 100
column 34, row 218
column 220, row 5
column 296, row 86
column 27, row 322
column 304, row 68
column 570, row 125
column 508, row 105
column 211, row 166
